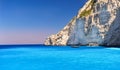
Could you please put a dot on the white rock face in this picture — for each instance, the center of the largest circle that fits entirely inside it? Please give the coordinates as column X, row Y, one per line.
column 97, row 23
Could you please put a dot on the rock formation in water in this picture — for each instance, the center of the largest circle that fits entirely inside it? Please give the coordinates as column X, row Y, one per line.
column 97, row 23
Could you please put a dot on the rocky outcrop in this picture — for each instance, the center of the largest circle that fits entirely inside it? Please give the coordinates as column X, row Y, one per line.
column 97, row 23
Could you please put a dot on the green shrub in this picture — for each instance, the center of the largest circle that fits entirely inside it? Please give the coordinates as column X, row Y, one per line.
column 87, row 12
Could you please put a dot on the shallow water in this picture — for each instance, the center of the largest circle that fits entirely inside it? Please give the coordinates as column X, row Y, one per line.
column 59, row 58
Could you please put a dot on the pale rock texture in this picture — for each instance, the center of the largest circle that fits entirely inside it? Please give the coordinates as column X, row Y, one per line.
column 97, row 23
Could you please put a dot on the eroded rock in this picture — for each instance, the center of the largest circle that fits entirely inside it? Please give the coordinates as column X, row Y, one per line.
column 97, row 23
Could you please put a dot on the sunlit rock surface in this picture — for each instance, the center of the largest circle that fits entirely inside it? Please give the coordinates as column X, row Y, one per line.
column 97, row 23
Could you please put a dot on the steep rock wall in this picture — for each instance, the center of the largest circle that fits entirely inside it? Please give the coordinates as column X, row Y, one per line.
column 97, row 23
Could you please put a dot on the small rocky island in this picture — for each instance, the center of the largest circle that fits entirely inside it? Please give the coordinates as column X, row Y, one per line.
column 97, row 23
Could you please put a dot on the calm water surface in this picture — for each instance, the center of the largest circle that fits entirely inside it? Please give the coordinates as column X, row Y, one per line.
column 59, row 58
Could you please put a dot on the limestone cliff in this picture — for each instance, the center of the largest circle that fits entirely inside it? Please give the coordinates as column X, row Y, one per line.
column 97, row 23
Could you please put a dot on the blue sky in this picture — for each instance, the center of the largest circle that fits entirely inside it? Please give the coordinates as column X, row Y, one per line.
column 31, row 21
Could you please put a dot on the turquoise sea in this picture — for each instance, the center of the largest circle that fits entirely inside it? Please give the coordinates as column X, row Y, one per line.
column 39, row 57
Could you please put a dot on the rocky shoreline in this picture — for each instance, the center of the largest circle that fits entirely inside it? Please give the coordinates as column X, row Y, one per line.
column 97, row 23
